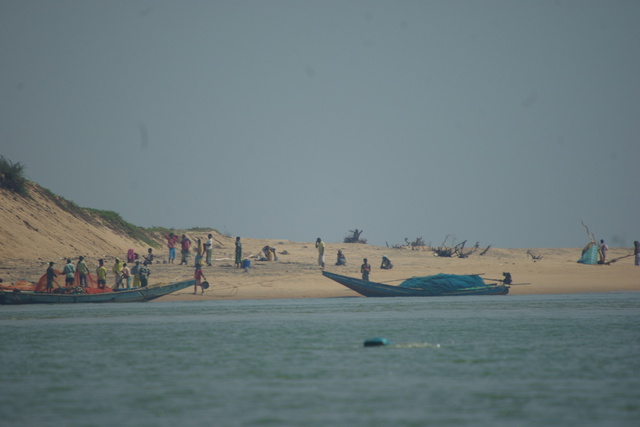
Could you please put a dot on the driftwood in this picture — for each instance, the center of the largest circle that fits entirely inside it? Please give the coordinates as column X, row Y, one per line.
column 613, row 261
column 464, row 254
column 457, row 250
column 485, row 250
column 535, row 255
column 589, row 234
column 354, row 237
column 416, row 244
column 443, row 250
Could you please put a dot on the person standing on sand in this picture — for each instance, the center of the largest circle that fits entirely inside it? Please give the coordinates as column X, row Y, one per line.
column 126, row 275
column 365, row 269
column 144, row 273
column 320, row 246
column 136, row 277
column 69, row 273
column 238, row 252
column 102, row 274
column 185, row 243
column 51, row 274
column 208, row 246
column 636, row 252
column 199, row 252
column 172, row 239
column 83, row 272
column 603, row 248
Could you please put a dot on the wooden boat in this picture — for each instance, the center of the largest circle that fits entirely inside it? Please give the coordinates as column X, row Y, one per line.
column 373, row 289
column 134, row 295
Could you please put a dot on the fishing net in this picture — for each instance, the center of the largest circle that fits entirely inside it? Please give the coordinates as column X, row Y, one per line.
column 444, row 282
column 589, row 254
column 59, row 285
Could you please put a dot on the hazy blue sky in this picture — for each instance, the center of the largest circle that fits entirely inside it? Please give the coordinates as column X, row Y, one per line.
column 503, row 122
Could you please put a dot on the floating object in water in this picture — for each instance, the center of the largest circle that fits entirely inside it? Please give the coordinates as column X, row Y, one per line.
column 376, row 342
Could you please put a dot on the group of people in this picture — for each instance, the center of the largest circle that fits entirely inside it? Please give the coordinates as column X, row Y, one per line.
column 123, row 275
column 203, row 255
column 139, row 273
column 203, row 249
column 365, row 268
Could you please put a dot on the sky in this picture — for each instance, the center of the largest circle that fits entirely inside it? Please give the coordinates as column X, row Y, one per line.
column 500, row 122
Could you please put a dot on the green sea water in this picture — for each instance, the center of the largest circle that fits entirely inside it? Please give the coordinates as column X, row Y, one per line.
column 561, row 360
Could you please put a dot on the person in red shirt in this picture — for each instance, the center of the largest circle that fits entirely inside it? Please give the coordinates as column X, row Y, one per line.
column 198, row 276
column 172, row 239
column 186, row 246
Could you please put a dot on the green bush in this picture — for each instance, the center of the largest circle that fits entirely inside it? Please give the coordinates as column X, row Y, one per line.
column 117, row 223
column 12, row 176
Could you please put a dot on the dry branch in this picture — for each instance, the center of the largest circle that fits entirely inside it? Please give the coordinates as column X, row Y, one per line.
column 534, row 255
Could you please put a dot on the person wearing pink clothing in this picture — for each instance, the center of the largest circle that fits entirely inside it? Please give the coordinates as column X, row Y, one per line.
column 186, row 247
column 172, row 239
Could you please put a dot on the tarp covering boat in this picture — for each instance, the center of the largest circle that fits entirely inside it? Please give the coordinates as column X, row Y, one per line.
column 444, row 283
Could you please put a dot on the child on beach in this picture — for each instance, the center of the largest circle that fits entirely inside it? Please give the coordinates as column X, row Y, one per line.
column 198, row 276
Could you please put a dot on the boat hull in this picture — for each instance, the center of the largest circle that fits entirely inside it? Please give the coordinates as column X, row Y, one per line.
column 133, row 295
column 373, row 289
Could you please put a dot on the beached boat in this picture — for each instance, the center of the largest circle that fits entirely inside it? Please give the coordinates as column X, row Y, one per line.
column 134, row 295
column 373, row 289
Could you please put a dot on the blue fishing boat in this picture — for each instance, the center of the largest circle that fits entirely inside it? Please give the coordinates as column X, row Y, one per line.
column 428, row 286
column 147, row 293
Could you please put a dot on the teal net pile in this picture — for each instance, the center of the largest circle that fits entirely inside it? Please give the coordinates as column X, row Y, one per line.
column 444, row 282
column 589, row 254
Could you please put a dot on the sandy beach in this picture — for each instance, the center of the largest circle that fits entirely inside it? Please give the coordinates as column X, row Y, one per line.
column 37, row 230
column 296, row 273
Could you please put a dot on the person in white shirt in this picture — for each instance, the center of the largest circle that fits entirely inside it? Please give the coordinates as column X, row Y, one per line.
column 208, row 246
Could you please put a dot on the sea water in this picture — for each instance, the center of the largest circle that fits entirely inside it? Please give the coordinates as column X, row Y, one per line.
column 560, row 360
